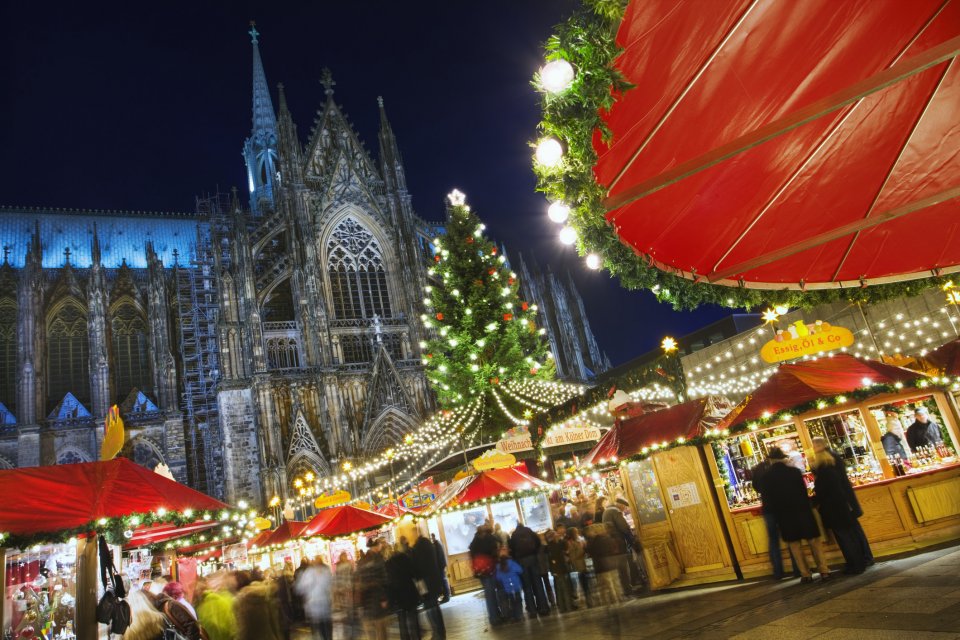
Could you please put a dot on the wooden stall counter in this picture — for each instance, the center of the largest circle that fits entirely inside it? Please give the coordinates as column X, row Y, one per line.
column 899, row 515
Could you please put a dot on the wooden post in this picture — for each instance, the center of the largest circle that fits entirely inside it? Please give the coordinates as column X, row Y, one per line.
column 87, row 576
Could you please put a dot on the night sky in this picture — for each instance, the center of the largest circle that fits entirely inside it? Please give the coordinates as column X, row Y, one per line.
column 146, row 105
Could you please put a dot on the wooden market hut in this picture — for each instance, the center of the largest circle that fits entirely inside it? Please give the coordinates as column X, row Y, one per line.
column 63, row 502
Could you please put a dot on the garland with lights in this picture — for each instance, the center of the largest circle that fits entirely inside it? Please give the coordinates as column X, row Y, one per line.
column 484, row 334
column 579, row 82
column 119, row 530
column 863, row 393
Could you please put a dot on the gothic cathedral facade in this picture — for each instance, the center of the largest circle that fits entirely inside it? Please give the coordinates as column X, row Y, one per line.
column 245, row 343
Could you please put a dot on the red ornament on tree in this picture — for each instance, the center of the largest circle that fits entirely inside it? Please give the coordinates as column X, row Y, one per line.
column 439, row 316
column 507, row 317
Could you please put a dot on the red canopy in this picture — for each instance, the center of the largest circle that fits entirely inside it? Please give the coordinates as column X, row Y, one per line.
column 54, row 498
column 486, row 484
column 784, row 142
column 343, row 520
column 687, row 420
column 946, row 358
column 802, row 382
column 286, row 532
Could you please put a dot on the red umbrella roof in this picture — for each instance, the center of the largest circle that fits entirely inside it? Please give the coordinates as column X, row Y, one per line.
column 687, row 420
column 802, row 382
column 343, row 520
column 946, row 358
column 484, row 485
column 780, row 143
column 69, row 496
column 286, row 532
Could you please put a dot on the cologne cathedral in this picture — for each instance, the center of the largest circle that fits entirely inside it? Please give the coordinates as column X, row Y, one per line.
column 245, row 342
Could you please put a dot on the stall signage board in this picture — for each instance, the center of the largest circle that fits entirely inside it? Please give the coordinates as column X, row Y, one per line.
column 801, row 339
column 493, row 459
column 683, row 495
column 332, row 499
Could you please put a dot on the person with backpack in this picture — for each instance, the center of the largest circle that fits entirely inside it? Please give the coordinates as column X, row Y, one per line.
column 525, row 549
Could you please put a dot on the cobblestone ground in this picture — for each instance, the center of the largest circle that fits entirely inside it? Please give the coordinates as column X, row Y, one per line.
column 917, row 598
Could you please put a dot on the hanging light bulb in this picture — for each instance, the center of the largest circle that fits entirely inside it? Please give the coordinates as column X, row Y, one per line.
column 549, row 152
column 593, row 261
column 558, row 212
column 568, row 235
column 556, row 76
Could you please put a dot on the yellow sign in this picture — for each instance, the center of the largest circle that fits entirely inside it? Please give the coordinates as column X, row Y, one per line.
column 493, row 459
column 800, row 339
column 332, row 499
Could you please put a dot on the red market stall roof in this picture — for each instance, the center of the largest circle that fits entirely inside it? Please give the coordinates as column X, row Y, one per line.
column 283, row 534
column 484, row 485
column 777, row 144
column 946, row 358
column 803, row 382
column 72, row 496
column 687, row 420
column 343, row 520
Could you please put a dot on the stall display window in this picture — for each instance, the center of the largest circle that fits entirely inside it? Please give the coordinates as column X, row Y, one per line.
column 459, row 528
column 505, row 514
column 646, row 491
column 41, row 592
column 847, row 434
column 738, row 455
column 912, row 442
column 536, row 512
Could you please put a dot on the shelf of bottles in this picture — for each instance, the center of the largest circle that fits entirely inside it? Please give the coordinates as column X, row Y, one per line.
column 895, row 419
column 737, row 456
column 847, row 434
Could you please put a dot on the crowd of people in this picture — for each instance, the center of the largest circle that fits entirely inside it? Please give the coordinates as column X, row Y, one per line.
column 586, row 560
column 387, row 584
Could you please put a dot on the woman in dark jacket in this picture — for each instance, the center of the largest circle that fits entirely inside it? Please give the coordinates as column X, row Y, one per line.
column 786, row 496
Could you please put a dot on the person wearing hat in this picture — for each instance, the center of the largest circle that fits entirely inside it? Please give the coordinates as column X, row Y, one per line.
column 924, row 432
column 785, row 493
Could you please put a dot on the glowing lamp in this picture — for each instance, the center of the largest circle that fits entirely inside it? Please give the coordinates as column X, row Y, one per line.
column 556, row 76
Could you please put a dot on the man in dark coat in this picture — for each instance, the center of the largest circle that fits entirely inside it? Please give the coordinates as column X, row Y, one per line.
column 425, row 562
column 924, row 432
column 442, row 561
column 786, row 496
column 524, row 548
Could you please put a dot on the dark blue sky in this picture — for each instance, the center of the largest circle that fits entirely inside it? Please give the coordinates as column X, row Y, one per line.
column 145, row 105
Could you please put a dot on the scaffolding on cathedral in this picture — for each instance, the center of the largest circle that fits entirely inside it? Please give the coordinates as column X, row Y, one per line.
column 198, row 307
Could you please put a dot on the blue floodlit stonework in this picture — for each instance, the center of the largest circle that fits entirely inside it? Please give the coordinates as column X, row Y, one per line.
column 246, row 341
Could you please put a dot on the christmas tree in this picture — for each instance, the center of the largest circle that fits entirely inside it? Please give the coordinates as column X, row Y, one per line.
column 486, row 347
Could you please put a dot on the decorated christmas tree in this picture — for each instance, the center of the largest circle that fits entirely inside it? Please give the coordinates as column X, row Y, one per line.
column 486, row 346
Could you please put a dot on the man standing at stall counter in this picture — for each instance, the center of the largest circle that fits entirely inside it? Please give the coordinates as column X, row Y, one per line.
column 924, row 432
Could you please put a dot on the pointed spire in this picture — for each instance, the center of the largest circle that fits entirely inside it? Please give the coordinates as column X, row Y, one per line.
column 264, row 119
column 95, row 246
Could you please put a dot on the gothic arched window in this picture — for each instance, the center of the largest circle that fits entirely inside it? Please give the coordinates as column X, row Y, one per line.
column 128, row 331
column 68, row 355
column 358, row 276
column 8, row 354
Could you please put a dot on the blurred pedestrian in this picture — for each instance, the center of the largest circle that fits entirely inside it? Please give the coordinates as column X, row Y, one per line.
column 524, row 549
column 509, row 575
column 402, row 591
column 315, row 586
column 484, row 551
column 788, row 499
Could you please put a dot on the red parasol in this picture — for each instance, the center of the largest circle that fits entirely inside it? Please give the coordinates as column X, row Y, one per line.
column 69, row 496
column 343, row 520
column 802, row 382
column 687, row 420
column 799, row 144
column 946, row 358
column 484, row 485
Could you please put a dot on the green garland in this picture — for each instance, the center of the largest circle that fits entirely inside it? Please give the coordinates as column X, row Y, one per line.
column 588, row 41
column 115, row 530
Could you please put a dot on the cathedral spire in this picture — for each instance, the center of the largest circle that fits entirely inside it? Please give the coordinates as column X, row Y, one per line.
column 260, row 149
